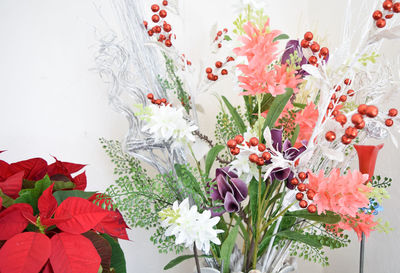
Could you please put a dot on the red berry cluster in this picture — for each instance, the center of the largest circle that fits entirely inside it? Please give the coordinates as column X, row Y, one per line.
column 392, row 113
column 164, row 101
column 219, row 38
column 335, row 99
column 302, row 188
column 162, row 29
column 183, row 59
column 389, row 9
column 253, row 142
column 318, row 52
column 218, row 66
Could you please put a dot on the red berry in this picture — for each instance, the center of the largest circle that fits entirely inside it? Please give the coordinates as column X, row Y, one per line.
column 150, row 32
column 208, row 70
column 161, row 38
column 324, row 51
column 302, row 187
column 305, row 43
column 163, row 100
column 218, row 64
column 239, row 139
column 362, row 109
column 381, row 23
column 231, row 143
column 165, row 3
column 155, row 8
column 299, row 196
column 357, row 119
column 315, row 47
column 260, row 161
column 335, row 113
column 313, row 60
column 266, row 156
column 351, row 132
column 219, row 45
column 330, row 136
column 224, row 72
column 338, row 88
column 210, row 76
column 396, row 7
column 350, row 92
column 168, row 43
column 310, row 194
column 346, row 140
column 215, row 78
column 163, row 13
column 389, row 16
column 333, row 96
column 235, row 151
column 225, row 30
column 303, row 204
column 308, row 36
column 342, row 119
column 330, row 106
column 312, row 208
column 153, row 101
column 343, row 98
column 253, row 158
column 219, row 33
column 393, row 112
column 360, row 125
column 230, row 59
column 302, row 176
column 253, row 141
column 294, row 181
column 150, row 96
column 372, row 111
column 167, row 27
column 389, row 122
column 158, row 102
column 155, row 18
column 157, row 29
column 377, row 15
column 261, row 147
column 347, row 81
column 145, row 24
column 387, row 5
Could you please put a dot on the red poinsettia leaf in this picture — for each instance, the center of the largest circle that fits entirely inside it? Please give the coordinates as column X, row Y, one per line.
column 80, row 181
column 73, row 253
column 83, row 215
column 12, row 220
column 1, row 202
column 5, row 171
column 47, row 268
column 34, row 168
column 12, row 185
column 114, row 225
column 65, row 168
column 25, row 253
column 47, row 203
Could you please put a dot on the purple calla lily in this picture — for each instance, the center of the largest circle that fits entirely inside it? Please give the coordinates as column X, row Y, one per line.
column 229, row 189
column 288, row 152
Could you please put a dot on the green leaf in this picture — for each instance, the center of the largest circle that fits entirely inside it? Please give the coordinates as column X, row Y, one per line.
column 253, row 189
column 227, row 248
column 265, row 103
column 281, row 37
column 61, row 185
column 211, row 156
column 277, row 107
column 311, row 240
column 188, row 179
column 31, row 196
column 235, row 115
column 62, row 195
column 7, row 201
column 295, row 135
column 299, row 105
column 182, row 258
column 329, row 217
column 227, row 38
column 117, row 259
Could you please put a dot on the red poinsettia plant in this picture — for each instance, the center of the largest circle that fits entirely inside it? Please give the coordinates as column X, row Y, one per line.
column 49, row 224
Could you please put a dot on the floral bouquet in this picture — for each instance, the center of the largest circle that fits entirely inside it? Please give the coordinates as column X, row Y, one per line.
column 283, row 183
column 48, row 223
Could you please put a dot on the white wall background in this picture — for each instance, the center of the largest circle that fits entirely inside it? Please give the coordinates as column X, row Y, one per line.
column 51, row 103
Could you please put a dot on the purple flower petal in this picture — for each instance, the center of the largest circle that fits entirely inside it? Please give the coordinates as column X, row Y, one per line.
column 223, row 186
column 286, row 145
column 240, row 189
column 215, row 193
column 230, row 203
column 217, row 211
column 276, row 135
column 281, row 174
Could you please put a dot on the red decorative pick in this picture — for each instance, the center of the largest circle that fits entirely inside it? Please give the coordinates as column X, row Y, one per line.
column 367, row 155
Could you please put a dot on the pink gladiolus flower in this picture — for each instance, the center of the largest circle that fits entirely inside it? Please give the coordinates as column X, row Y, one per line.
column 260, row 50
column 340, row 194
column 361, row 223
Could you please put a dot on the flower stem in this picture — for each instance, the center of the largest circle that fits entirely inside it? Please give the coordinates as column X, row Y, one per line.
column 196, row 258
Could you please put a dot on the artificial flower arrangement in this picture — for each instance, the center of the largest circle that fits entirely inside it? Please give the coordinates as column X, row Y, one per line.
column 283, row 183
column 48, row 223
